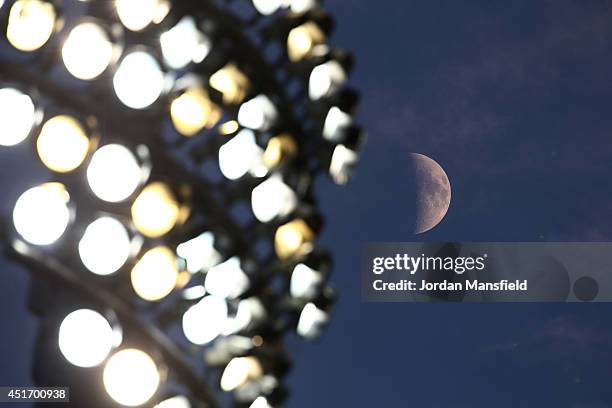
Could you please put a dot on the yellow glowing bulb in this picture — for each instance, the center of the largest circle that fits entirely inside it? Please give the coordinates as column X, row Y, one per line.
column 155, row 275
column 229, row 128
column 303, row 40
column 30, row 24
column 278, row 150
column 240, row 371
column 155, row 211
column 131, row 377
column 293, row 239
column 232, row 84
column 136, row 15
column 193, row 111
column 62, row 144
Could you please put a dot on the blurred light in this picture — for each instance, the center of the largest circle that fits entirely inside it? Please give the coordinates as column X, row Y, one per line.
column 302, row 6
column 259, row 113
column 62, row 144
column 87, row 51
column 136, row 15
column 240, row 155
column 86, row 338
column 131, row 377
column 267, row 7
column 199, row 252
column 204, row 321
column 279, row 150
column 175, row 402
column 17, row 116
column 114, row 173
column 155, row 211
column 311, row 322
column 193, row 111
column 260, row 402
column 227, row 279
column 303, row 41
column 105, row 246
column 30, row 24
column 272, row 198
column 335, row 121
column 294, row 238
column 249, row 311
column 240, row 371
column 325, row 79
column 139, row 80
column 342, row 162
column 41, row 214
column 305, row 282
column 155, row 275
column 194, row 292
column 232, row 84
column 184, row 44
column 228, row 128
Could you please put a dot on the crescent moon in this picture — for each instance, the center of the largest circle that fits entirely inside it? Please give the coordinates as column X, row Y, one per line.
column 433, row 191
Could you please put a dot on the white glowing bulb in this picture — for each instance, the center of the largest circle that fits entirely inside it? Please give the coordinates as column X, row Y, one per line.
column 105, row 246
column 311, row 322
column 204, row 321
column 41, row 214
column 136, row 15
column 302, row 6
column 114, row 173
column 30, row 24
column 249, row 311
column 342, row 162
column 184, row 44
column 240, row 155
column 239, row 371
column 227, row 279
column 325, row 79
column 267, row 7
column 258, row 113
column 175, row 402
column 87, row 51
column 139, row 81
column 305, row 282
column 131, row 377
column 260, row 402
column 86, row 338
column 199, row 253
column 17, row 116
column 272, row 198
column 335, row 121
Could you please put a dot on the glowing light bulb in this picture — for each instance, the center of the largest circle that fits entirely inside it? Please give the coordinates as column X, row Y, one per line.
column 260, row 402
column 232, row 84
column 184, row 44
column 175, row 402
column 311, row 321
column 113, row 173
column 136, row 15
column 240, row 371
column 279, row 150
column 335, row 121
column 325, row 79
column 87, row 51
column 192, row 111
column 213, row 311
column 155, row 275
column 199, row 252
column 259, row 113
column 240, row 155
column 131, row 377
column 41, row 214
column 304, row 40
column 294, row 238
column 302, row 6
column 17, row 116
column 267, row 7
column 155, row 211
column 139, row 81
column 342, row 163
column 105, row 246
column 305, row 282
column 86, row 338
column 227, row 279
column 62, row 144
column 30, row 24
column 272, row 198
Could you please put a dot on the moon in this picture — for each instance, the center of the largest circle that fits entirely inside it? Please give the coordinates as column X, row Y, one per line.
column 433, row 192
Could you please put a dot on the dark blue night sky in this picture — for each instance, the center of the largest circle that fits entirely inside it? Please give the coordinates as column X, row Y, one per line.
column 514, row 100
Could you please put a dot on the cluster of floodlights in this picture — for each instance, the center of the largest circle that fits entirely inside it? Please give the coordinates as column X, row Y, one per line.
column 119, row 216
